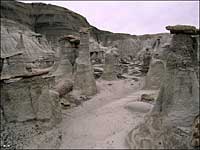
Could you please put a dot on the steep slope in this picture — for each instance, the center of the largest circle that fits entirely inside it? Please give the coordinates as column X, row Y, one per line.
column 22, row 48
column 54, row 21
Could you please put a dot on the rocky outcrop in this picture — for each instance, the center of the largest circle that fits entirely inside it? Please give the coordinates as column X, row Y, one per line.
column 68, row 54
column 21, row 51
column 26, row 57
column 183, row 29
column 169, row 123
column 111, row 64
column 50, row 20
column 97, row 52
column 147, row 97
column 155, row 74
column 195, row 139
column 196, row 56
column 29, row 109
column 54, row 22
column 84, row 79
column 28, row 93
column 29, row 99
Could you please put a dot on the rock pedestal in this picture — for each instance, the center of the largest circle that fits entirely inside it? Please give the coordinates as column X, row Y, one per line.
column 155, row 74
column 110, row 66
column 65, row 66
column 84, row 80
column 169, row 123
column 147, row 57
column 64, row 73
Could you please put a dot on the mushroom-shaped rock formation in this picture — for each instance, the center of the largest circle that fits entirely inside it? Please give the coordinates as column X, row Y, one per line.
column 68, row 54
column 182, row 29
column 169, row 123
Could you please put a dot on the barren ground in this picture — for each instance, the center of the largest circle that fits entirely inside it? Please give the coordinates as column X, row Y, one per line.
column 103, row 121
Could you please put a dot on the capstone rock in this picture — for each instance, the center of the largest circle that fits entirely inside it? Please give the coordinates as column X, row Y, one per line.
column 169, row 123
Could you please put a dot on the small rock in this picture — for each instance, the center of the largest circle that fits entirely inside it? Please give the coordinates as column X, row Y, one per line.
column 147, row 97
column 196, row 132
column 139, row 107
column 65, row 103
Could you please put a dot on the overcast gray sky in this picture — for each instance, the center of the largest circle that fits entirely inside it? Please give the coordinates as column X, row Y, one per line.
column 134, row 17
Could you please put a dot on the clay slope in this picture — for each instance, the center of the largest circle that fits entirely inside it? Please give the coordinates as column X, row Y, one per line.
column 54, row 21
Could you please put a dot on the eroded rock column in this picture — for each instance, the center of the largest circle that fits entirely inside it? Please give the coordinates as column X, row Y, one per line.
column 110, row 66
column 155, row 75
column 65, row 68
column 169, row 123
column 84, row 80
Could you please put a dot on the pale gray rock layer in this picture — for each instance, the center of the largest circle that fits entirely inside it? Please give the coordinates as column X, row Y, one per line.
column 84, row 79
column 169, row 123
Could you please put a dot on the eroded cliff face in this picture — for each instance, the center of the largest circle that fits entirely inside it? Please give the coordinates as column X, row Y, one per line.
column 21, row 48
column 48, row 19
column 38, row 70
column 54, row 21
column 29, row 105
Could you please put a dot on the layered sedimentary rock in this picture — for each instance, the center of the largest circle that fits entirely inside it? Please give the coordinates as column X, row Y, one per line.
column 68, row 54
column 24, row 57
column 183, row 29
column 29, row 99
column 196, row 56
column 169, row 123
column 111, row 64
column 83, row 79
column 97, row 51
column 21, row 51
column 50, row 20
column 54, row 21
column 195, row 139
column 155, row 74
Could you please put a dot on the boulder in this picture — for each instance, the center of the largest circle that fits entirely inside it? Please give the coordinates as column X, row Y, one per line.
column 147, row 98
column 98, row 71
column 64, row 87
column 140, row 107
column 65, row 103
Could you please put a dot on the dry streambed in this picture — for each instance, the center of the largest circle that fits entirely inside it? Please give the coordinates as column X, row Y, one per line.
column 105, row 120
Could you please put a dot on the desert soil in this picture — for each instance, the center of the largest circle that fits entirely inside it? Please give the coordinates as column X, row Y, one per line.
column 104, row 121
